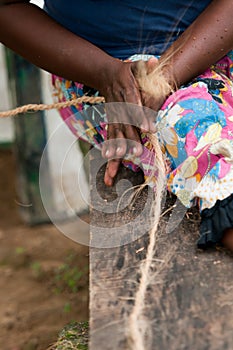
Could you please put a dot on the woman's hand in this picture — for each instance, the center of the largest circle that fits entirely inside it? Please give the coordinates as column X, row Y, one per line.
column 120, row 88
column 127, row 115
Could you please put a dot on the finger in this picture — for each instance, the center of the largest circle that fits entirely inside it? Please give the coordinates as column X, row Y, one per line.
column 134, row 140
column 151, row 109
column 111, row 171
column 130, row 111
column 144, row 123
column 135, row 114
column 151, row 115
column 108, row 149
column 153, row 102
column 121, row 145
column 152, row 126
column 152, row 63
column 116, row 146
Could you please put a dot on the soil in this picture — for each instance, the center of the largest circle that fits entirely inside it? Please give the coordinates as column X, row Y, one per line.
column 43, row 275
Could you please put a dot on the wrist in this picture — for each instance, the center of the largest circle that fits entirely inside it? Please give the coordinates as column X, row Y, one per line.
column 105, row 73
column 169, row 74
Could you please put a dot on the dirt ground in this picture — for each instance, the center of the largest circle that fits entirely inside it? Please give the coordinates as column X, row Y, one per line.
column 43, row 275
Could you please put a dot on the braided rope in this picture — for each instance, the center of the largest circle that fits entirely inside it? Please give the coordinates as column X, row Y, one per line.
column 46, row 107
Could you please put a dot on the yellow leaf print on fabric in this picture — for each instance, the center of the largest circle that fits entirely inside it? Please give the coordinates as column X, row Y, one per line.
column 189, row 167
column 170, row 139
column 173, row 150
column 211, row 136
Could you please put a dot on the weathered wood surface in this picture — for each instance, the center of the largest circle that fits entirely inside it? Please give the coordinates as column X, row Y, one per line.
column 190, row 300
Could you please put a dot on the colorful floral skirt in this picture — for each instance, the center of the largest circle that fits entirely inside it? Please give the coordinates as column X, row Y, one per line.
column 195, row 131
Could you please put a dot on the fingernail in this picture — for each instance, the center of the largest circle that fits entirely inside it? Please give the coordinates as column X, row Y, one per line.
column 118, row 150
column 107, row 153
column 144, row 127
column 153, row 127
column 135, row 150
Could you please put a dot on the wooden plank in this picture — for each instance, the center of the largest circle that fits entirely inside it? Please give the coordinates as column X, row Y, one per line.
column 189, row 302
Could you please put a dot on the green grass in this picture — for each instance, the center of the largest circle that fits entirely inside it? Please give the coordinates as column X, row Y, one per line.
column 73, row 337
column 68, row 276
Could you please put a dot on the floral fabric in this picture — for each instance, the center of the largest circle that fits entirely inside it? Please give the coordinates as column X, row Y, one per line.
column 195, row 132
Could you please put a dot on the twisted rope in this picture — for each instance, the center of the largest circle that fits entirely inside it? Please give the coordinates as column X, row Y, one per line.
column 140, row 328
column 46, row 107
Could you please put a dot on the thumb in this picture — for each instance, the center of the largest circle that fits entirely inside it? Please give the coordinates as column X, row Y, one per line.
column 151, row 64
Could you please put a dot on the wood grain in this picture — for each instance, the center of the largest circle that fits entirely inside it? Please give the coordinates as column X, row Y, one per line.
column 190, row 299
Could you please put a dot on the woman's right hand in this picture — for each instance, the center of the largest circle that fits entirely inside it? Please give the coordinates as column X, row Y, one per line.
column 126, row 118
column 120, row 89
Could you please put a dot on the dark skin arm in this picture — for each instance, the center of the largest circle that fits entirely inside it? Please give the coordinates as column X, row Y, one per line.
column 42, row 41
column 209, row 38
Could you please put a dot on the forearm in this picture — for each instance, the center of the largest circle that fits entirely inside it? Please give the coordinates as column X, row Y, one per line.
column 207, row 40
column 30, row 32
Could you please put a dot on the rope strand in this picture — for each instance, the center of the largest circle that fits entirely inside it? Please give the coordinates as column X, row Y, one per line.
column 46, row 107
